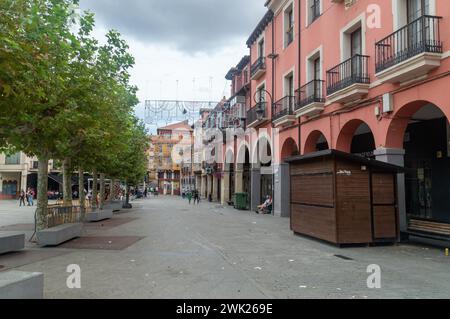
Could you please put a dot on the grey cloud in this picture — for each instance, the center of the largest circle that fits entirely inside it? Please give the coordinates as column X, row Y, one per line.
column 190, row 25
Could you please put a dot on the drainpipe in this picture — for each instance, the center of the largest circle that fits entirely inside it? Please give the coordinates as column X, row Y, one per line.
column 299, row 73
column 273, row 103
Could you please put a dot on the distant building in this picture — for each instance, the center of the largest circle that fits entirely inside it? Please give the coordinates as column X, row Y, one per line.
column 19, row 172
column 170, row 158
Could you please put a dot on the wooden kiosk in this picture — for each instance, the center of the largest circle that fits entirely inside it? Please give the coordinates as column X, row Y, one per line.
column 343, row 198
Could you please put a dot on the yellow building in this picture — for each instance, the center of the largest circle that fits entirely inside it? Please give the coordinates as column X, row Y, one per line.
column 170, row 159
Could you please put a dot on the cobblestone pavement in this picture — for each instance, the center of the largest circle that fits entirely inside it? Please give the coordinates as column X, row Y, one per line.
column 208, row 251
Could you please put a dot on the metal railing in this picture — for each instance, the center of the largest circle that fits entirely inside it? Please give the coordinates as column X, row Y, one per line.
column 351, row 71
column 252, row 114
column 421, row 35
column 260, row 64
column 283, row 107
column 313, row 91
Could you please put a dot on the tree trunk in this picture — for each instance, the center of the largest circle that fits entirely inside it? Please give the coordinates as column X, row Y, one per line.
column 94, row 189
column 67, row 182
column 102, row 190
column 127, row 204
column 42, row 197
column 81, row 192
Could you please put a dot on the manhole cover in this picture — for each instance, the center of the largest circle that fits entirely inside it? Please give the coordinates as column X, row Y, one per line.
column 343, row 257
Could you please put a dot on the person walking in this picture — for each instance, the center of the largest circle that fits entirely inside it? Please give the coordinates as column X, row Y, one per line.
column 189, row 197
column 196, row 197
column 30, row 196
column 22, row 198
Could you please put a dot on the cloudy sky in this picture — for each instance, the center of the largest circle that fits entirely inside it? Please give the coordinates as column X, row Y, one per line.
column 183, row 48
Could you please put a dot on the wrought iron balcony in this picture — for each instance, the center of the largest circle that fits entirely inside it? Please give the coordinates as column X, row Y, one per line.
column 352, row 71
column 257, row 114
column 312, row 92
column 258, row 68
column 420, row 36
column 311, row 99
column 283, row 107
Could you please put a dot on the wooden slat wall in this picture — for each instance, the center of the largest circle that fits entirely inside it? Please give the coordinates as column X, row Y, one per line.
column 353, row 204
column 317, row 222
column 384, row 222
column 383, row 189
column 313, row 190
column 384, row 210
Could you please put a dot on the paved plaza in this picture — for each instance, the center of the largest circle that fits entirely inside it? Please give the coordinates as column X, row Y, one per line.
column 166, row 248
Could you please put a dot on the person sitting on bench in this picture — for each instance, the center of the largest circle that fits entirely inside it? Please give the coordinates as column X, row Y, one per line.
column 266, row 207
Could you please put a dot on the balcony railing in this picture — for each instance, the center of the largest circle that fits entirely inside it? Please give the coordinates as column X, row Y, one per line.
column 283, row 107
column 312, row 92
column 352, row 71
column 252, row 114
column 420, row 36
column 260, row 64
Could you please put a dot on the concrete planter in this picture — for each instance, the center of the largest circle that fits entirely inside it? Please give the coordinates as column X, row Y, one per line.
column 57, row 235
column 99, row 215
column 21, row 285
column 10, row 242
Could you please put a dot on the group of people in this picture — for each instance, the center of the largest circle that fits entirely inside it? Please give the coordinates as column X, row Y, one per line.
column 193, row 195
column 28, row 196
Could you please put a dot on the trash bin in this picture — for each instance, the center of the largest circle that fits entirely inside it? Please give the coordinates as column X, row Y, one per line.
column 240, row 201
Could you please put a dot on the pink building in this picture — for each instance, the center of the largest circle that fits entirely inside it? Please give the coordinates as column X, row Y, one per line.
column 360, row 76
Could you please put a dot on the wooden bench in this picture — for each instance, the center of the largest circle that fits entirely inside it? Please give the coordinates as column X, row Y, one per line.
column 21, row 285
column 57, row 235
column 429, row 227
column 10, row 242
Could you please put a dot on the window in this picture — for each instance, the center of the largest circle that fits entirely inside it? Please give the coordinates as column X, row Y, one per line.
column 289, row 25
column 261, row 48
column 417, row 8
column 356, row 42
column 314, row 10
column 13, row 159
column 261, row 94
column 289, row 85
column 316, row 67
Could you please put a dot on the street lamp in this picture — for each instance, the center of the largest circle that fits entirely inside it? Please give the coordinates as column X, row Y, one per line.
column 260, row 112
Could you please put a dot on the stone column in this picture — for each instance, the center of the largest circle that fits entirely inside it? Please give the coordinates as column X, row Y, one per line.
column 239, row 179
column 209, row 186
column 23, row 182
column 282, row 190
column 255, row 181
column 397, row 157
column 225, row 188
column 203, row 186
column 215, row 189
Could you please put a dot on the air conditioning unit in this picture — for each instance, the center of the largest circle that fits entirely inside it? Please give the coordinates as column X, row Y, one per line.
column 388, row 103
column 242, row 112
column 237, row 100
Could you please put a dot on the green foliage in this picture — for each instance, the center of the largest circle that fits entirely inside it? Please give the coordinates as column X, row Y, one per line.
column 62, row 95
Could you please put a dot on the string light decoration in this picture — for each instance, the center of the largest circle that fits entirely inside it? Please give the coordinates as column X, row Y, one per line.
column 170, row 111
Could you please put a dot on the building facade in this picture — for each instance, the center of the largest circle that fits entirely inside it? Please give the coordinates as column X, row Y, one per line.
column 170, row 158
column 19, row 172
column 356, row 76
